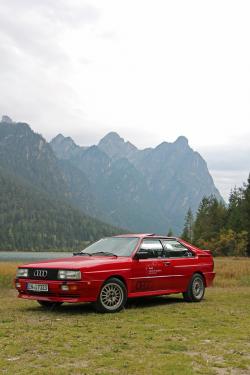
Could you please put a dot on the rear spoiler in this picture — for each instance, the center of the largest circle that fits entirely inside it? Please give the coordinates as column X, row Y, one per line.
column 208, row 251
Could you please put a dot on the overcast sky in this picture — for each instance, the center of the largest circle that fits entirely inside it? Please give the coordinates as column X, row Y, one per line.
column 149, row 70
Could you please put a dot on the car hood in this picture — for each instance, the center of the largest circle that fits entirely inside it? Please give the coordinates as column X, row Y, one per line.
column 77, row 262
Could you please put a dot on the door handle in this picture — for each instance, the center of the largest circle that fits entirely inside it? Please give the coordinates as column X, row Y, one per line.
column 167, row 263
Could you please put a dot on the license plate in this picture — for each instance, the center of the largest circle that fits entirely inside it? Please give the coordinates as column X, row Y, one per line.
column 37, row 287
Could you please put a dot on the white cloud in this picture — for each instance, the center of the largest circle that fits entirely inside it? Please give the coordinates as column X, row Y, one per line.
column 229, row 164
column 224, row 179
column 149, row 70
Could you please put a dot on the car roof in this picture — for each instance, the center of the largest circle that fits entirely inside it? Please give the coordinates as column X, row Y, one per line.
column 145, row 235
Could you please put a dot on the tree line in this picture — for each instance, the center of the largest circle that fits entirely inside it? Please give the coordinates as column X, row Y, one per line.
column 223, row 229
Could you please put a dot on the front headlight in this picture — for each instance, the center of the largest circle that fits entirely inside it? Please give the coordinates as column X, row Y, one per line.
column 22, row 272
column 69, row 275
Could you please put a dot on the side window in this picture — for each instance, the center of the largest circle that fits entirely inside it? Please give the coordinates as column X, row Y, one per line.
column 174, row 249
column 153, row 247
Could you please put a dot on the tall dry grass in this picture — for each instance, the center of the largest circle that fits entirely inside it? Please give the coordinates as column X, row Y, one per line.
column 7, row 273
column 232, row 272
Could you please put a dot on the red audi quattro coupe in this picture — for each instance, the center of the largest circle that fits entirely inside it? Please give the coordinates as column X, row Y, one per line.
column 113, row 269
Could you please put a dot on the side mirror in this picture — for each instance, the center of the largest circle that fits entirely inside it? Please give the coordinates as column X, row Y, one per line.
column 142, row 254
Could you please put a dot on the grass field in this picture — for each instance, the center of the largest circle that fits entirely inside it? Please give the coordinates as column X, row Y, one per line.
column 163, row 335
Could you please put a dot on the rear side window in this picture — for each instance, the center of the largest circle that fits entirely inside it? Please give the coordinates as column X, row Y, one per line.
column 153, row 247
column 174, row 249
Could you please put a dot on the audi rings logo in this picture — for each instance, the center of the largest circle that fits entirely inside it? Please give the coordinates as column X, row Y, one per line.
column 40, row 273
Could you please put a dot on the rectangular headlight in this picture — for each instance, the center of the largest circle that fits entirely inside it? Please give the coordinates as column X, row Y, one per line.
column 69, row 275
column 22, row 272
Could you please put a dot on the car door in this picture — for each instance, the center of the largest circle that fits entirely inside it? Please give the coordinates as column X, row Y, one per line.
column 180, row 263
column 148, row 274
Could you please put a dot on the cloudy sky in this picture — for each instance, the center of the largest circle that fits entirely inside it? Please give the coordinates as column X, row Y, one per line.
column 150, row 70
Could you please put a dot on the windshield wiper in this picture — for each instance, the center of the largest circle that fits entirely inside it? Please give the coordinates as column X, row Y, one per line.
column 80, row 253
column 105, row 253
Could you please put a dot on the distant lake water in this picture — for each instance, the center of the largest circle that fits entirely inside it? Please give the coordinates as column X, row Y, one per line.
column 16, row 256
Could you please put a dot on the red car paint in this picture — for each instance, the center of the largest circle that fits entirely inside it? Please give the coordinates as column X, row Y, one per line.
column 142, row 277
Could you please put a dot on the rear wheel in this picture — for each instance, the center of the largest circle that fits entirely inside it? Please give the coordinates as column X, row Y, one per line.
column 196, row 289
column 112, row 297
column 49, row 305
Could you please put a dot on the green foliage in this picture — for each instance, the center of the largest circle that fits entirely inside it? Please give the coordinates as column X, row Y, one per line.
column 170, row 233
column 224, row 230
column 227, row 243
column 210, row 218
column 187, row 233
column 246, row 211
column 235, row 218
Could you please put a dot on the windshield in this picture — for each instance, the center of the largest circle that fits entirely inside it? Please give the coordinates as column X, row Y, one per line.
column 119, row 246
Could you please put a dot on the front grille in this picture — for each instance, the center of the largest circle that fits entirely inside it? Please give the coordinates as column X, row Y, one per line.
column 43, row 273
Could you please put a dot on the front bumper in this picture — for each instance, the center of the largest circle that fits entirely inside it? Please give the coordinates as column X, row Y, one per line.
column 78, row 291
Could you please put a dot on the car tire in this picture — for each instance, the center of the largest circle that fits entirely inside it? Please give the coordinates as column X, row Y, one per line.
column 49, row 305
column 112, row 296
column 196, row 289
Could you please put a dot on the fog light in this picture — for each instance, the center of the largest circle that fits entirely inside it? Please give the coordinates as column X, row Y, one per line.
column 18, row 285
column 65, row 288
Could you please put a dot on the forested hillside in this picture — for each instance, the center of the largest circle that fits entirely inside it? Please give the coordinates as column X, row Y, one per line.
column 44, row 202
column 225, row 230
column 30, row 220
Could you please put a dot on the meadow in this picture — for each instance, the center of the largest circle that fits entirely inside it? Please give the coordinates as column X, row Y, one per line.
column 162, row 335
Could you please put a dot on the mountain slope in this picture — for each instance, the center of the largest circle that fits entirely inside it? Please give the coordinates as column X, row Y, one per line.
column 126, row 200
column 27, row 155
column 120, row 190
column 79, row 189
column 177, row 176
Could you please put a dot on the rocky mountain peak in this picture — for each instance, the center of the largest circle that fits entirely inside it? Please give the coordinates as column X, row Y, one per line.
column 63, row 147
column 111, row 137
column 115, row 146
column 60, row 138
column 181, row 141
column 7, row 119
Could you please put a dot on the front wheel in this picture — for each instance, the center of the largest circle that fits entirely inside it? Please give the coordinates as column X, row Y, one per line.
column 112, row 297
column 49, row 305
column 196, row 289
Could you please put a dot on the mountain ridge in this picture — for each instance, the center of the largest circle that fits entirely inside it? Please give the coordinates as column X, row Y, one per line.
column 156, row 166
column 147, row 190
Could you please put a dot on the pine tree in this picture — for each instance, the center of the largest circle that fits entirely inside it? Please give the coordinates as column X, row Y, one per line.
column 170, row 233
column 210, row 219
column 246, row 211
column 234, row 213
column 187, row 233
